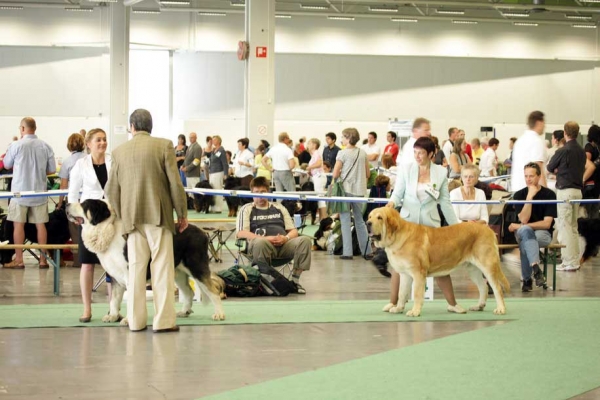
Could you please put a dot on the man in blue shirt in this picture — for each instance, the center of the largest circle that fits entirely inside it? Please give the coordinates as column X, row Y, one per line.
column 32, row 160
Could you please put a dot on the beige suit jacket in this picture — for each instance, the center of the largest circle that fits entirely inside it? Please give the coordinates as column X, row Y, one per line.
column 144, row 184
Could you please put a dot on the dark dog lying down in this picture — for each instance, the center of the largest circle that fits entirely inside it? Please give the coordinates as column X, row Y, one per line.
column 57, row 227
column 102, row 234
column 589, row 229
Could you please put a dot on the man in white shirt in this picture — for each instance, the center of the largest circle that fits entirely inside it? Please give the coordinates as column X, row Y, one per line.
column 283, row 163
column 372, row 149
column 243, row 163
column 489, row 160
column 530, row 147
column 452, row 136
column 421, row 127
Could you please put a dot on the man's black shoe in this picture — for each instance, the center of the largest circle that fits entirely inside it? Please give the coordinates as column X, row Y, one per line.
column 538, row 275
column 527, row 285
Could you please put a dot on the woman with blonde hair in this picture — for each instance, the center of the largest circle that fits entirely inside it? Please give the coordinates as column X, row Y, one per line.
column 89, row 177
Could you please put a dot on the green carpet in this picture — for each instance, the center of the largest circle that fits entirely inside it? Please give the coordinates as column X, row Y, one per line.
column 550, row 351
column 253, row 312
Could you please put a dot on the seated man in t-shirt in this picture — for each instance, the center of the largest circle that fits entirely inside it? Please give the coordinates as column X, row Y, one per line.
column 271, row 234
column 535, row 229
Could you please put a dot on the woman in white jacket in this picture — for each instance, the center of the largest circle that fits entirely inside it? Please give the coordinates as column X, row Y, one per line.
column 89, row 176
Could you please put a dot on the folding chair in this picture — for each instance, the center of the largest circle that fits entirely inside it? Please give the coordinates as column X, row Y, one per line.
column 221, row 234
column 285, row 266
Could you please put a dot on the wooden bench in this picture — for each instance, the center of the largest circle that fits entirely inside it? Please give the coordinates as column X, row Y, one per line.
column 54, row 262
column 548, row 253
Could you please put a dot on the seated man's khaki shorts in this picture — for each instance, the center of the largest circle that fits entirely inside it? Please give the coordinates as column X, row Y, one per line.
column 31, row 214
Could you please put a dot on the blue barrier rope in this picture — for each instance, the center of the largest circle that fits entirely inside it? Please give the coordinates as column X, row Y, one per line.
column 301, row 196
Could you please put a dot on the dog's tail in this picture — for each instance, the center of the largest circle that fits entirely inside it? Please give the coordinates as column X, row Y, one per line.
column 213, row 285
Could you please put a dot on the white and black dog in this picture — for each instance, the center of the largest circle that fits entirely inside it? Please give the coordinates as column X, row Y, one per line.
column 103, row 233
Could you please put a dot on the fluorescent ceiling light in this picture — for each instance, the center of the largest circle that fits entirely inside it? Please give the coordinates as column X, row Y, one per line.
column 578, row 16
column 11, row 8
column 175, row 2
column 212, row 14
column 286, row 16
column 383, row 9
column 584, row 26
column 146, row 11
column 464, row 22
column 525, row 24
column 340, row 18
column 82, row 9
column 238, row 3
column 404, row 20
column 590, row 1
column 314, row 7
column 515, row 13
column 450, row 12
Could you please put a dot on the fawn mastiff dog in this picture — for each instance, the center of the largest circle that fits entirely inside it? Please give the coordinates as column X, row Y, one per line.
column 417, row 251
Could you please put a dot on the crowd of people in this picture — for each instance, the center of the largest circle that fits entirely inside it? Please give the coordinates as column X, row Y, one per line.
column 145, row 177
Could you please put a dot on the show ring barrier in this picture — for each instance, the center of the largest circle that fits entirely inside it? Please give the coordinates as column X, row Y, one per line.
column 298, row 196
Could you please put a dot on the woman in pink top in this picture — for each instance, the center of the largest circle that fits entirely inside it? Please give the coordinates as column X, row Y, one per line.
column 315, row 169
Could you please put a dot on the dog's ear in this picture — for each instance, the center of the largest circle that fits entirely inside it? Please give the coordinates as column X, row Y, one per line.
column 392, row 220
column 97, row 211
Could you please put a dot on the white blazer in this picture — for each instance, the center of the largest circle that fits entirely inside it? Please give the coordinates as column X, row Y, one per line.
column 83, row 179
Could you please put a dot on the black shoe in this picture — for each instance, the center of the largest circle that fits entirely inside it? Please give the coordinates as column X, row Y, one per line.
column 527, row 285
column 538, row 275
column 346, row 257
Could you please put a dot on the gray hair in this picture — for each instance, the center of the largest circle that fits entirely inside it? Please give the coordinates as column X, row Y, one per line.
column 141, row 120
column 352, row 135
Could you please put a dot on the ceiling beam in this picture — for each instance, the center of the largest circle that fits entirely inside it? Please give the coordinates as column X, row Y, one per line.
column 129, row 3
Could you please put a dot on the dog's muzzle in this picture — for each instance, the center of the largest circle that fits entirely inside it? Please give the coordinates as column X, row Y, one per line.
column 73, row 218
column 376, row 238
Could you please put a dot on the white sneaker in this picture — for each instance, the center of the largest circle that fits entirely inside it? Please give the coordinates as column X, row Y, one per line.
column 563, row 267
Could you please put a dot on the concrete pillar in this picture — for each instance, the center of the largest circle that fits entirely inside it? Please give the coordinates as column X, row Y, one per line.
column 259, row 99
column 119, row 74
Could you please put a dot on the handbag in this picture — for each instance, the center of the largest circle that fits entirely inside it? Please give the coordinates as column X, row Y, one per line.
column 336, row 189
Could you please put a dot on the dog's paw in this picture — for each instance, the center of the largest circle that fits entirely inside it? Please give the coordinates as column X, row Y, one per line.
column 478, row 307
column 500, row 311
column 413, row 313
column 184, row 314
column 388, row 306
column 218, row 316
column 109, row 318
column 124, row 322
column 396, row 310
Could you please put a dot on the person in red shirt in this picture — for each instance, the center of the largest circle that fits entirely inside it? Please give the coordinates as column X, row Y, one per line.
column 468, row 151
column 392, row 147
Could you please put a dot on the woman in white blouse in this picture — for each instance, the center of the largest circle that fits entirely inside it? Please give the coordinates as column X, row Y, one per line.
column 243, row 163
column 89, row 176
column 468, row 192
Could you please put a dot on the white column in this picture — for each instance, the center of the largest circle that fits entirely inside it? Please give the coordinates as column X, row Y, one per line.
column 260, row 70
column 119, row 74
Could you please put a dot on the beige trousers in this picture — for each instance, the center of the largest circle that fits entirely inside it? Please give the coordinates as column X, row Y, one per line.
column 144, row 243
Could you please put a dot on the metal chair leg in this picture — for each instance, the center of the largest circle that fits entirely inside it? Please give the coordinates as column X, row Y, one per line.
column 99, row 282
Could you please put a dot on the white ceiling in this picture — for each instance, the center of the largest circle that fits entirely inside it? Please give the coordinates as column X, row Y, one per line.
column 552, row 12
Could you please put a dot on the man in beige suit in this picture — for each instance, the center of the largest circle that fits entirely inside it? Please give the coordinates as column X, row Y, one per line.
column 144, row 187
